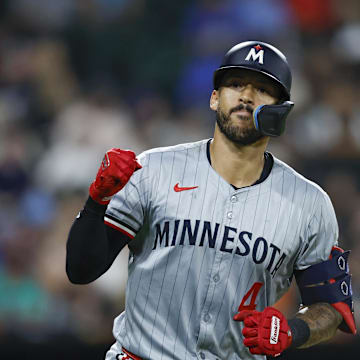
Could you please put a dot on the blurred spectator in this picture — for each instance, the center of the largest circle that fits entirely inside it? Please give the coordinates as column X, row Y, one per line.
column 327, row 124
column 314, row 17
column 346, row 42
column 82, row 132
column 210, row 26
column 41, row 16
column 163, row 126
column 346, row 202
column 24, row 303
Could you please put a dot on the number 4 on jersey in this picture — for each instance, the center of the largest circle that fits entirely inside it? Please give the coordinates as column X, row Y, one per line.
column 254, row 290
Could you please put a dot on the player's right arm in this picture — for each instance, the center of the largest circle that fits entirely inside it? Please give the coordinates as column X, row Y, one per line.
column 92, row 246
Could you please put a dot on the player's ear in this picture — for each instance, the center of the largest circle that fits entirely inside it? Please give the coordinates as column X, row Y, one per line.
column 214, row 100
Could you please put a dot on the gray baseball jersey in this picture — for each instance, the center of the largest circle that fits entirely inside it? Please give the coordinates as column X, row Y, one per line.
column 199, row 248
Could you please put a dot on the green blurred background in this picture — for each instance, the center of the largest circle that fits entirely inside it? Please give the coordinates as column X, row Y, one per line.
column 80, row 76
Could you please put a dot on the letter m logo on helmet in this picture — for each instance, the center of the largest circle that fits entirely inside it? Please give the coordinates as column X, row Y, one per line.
column 253, row 55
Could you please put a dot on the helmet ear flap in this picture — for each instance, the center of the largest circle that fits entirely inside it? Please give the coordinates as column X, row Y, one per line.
column 270, row 120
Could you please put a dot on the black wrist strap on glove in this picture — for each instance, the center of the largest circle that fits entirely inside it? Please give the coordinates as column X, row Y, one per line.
column 93, row 208
column 300, row 332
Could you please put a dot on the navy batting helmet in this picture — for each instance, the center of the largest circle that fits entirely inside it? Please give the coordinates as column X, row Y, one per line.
column 268, row 60
column 260, row 57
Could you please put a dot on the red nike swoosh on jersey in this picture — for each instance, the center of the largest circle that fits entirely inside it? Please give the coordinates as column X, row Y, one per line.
column 177, row 188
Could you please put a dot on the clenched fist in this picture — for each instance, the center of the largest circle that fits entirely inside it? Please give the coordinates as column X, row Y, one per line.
column 266, row 332
column 115, row 171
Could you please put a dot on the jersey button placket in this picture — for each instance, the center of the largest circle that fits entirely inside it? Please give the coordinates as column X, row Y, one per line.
column 206, row 315
column 214, row 288
column 233, row 199
column 207, row 318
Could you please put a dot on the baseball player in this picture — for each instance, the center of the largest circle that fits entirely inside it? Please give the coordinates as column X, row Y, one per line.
column 216, row 231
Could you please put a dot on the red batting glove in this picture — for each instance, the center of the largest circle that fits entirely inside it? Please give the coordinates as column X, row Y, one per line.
column 266, row 332
column 115, row 171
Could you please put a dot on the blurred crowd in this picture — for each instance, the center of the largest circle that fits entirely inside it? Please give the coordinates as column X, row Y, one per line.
column 78, row 77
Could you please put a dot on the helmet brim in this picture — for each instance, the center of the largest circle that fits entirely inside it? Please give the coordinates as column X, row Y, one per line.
column 220, row 72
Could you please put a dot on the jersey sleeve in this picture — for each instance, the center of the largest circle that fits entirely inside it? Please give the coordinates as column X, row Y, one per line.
column 320, row 235
column 126, row 210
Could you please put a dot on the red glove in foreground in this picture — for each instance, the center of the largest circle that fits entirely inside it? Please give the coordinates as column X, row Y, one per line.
column 266, row 332
column 115, row 171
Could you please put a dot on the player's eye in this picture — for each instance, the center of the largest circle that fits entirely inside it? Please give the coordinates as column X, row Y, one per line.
column 236, row 84
column 263, row 90
column 233, row 83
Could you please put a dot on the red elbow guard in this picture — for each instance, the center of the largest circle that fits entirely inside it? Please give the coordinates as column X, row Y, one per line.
column 348, row 325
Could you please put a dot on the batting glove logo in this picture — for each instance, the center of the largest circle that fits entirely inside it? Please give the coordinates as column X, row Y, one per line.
column 275, row 327
column 105, row 162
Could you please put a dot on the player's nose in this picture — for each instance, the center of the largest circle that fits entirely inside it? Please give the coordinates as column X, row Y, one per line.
column 247, row 94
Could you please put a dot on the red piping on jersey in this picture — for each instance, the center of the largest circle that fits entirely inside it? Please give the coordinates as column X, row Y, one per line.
column 130, row 355
column 119, row 229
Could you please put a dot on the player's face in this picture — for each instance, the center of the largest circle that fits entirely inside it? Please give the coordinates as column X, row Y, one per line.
column 241, row 91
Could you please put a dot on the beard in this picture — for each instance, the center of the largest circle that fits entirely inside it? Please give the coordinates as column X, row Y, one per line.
column 241, row 136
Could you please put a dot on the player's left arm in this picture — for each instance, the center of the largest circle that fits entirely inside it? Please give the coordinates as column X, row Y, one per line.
column 323, row 277
column 325, row 286
column 326, row 296
column 322, row 321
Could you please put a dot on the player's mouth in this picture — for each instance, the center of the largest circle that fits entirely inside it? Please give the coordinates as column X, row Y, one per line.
column 242, row 110
column 242, row 113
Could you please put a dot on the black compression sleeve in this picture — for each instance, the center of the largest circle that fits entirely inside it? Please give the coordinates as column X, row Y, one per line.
column 94, row 208
column 92, row 246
